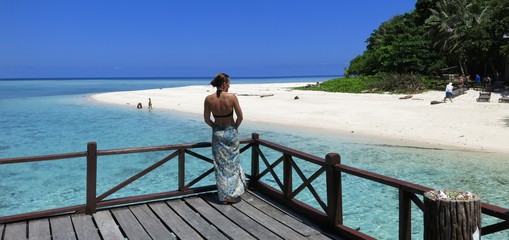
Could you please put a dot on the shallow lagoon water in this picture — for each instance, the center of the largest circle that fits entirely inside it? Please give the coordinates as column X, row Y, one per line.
column 39, row 124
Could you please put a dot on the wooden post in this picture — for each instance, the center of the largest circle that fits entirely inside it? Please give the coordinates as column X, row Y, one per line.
column 91, row 206
column 451, row 215
column 334, row 191
column 255, row 160
column 182, row 169
column 405, row 215
column 287, row 176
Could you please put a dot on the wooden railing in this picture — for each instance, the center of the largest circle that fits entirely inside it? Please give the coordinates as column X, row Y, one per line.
column 329, row 213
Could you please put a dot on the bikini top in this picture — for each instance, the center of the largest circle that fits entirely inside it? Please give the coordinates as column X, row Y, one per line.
column 223, row 116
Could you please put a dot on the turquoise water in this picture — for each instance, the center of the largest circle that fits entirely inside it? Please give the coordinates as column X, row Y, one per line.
column 57, row 116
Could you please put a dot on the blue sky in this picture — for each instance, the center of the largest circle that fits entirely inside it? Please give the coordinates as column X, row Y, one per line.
column 164, row 38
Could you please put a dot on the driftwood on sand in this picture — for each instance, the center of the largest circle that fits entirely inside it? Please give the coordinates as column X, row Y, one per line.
column 260, row 95
column 406, row 97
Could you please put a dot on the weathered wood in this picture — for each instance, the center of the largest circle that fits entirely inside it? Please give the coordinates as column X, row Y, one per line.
column 61, row 227
column 39, row 229
column 107, row 225
column 294, row 220
column 150, row 222
column 91, row 206
column 256, row 95
column 334, row 193
column 451, row 218
column 179, row 227
column 287, row 176
column 231, row 229
column 280, row 215
column 200, row 224
column 275, row 194
column 405, row 215
column 129, row 224
column 484, row 97
column 267, row 221
column 242, row 220
column 204, row 217
column 15, row 231
column 84, row 227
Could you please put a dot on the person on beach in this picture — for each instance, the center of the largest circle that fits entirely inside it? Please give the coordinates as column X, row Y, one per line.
column 448, row 92
column 230, row 177
column 461, row 83
column 149, row 104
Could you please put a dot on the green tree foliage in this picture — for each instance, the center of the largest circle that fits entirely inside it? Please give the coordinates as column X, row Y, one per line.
column 398, row 46
column 439, row 34
column 496, row 36
column 423, row 10
column 347, row 85
column 453, row 25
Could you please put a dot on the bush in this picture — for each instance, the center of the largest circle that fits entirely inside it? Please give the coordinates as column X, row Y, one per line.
column 401, row 83
column 393, row 83
column 346, row 85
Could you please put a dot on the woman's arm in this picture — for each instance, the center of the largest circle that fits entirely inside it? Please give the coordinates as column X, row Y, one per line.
column 206, row 113
column 238, row 111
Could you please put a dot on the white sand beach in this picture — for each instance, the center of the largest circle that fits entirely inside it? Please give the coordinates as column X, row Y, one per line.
column 464, row 124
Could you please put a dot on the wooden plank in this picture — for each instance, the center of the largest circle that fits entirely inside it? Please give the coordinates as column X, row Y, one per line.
column 129, row 224
column 61, row 227
column 150, row 222
column 15, row 231
column 180, row 228
column 107, row 225
column 242, row 220
column 84, row 227
column 267, row 221
column 229, row 228
column 194, row 219
column 2, row 226
column 280, row 215
column 39, row 229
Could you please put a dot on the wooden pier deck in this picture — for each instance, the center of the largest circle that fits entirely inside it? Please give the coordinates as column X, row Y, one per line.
column 195, row 217
column 191, row 211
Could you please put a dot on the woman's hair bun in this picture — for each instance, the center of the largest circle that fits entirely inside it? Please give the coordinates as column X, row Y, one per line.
column 219, row 79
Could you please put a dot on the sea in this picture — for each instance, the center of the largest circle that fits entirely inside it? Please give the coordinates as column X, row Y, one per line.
column 54, row 116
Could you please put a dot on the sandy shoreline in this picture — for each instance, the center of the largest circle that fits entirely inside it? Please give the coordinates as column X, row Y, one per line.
column 464, row 124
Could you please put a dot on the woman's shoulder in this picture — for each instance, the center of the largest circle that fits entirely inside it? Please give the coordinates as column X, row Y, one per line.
column 210, row 97
column 231, row 95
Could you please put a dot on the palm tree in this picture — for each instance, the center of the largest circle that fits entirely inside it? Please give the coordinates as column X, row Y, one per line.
column 449, row 24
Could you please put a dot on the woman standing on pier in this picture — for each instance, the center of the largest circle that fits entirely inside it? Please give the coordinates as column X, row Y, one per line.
column 225, row 143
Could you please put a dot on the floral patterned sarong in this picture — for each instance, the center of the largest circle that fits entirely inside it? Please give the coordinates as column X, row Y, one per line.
column 225, row 149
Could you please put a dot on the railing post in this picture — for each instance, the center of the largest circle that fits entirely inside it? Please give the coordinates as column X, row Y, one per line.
column 405, row 214
column 287, row 176
column 334, row 190
column 182, row 169
column 91, row 206
column 255, row 158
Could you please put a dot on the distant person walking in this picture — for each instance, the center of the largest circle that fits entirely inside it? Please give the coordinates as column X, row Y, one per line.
column 149, row 104
column 477, row 79
column 230, row 177
column 448, row 92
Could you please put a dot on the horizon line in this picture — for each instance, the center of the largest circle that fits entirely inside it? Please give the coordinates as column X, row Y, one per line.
column 118, row 78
